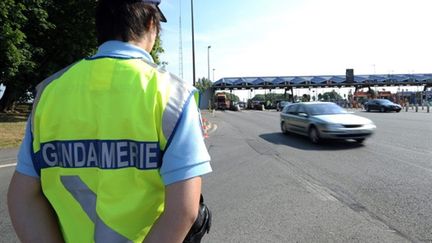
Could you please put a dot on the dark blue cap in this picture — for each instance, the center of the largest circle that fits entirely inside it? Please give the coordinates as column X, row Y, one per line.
column 156, row 3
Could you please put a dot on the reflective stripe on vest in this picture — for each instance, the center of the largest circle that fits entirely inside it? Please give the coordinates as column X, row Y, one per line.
column 87, row 199
column 99, row 131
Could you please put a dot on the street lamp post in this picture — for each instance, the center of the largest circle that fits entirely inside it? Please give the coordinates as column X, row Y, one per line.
column 213, row 74
column 208, row 62
column 193, row 45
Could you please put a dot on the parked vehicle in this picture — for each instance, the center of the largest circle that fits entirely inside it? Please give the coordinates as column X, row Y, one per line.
column 235, row 106
column 382, row 105
column 242, row 105
column 269, row 105
column 257, row 105
column 281, row 104
column 222, row 101
column 324, row 120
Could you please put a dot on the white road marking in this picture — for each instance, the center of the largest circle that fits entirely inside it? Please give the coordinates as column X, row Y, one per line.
column 8, row 165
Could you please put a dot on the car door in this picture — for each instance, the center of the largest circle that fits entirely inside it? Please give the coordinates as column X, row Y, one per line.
column 288, row 115
column 301, row 120
column 375, row 105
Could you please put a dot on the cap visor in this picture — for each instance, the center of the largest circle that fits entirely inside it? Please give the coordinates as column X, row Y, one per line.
column 163, row 19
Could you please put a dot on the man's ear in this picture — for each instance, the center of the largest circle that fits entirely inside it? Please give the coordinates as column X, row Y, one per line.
column 150, row 25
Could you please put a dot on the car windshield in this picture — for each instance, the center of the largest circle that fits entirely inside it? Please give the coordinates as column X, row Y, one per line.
column 385, row 101
column 325, row 109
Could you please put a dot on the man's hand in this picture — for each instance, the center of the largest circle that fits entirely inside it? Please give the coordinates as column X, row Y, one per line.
column 32, row 216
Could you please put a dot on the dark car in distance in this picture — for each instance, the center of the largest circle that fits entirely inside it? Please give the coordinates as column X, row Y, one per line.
column 382, row 105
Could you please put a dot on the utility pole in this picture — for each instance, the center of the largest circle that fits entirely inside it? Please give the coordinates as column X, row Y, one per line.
column 180, row 44
column 193, row 45
column 208, row 62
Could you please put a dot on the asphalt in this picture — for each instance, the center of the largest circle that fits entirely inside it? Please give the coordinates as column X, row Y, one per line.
column 8, row 155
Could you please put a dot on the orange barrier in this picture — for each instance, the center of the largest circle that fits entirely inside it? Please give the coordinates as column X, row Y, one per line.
column 205, row 127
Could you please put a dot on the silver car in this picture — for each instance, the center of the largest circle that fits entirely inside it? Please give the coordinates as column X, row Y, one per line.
column 324, row 120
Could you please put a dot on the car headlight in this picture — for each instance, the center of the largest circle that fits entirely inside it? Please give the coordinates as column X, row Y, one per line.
column 369, row 125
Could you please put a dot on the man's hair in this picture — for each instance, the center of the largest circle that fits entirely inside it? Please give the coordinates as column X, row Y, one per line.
column 125, row 20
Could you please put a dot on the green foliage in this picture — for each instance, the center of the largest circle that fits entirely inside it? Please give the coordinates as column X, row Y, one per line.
column 157, row 50
column 21, row 23
column 40, row 37
column 372, row 93
column 306, row 98
column 258, row 97
column 203, row 84
column 272, row 97
column 231, row 97
column 71, row 38
column 12, row 45
column 330, row 96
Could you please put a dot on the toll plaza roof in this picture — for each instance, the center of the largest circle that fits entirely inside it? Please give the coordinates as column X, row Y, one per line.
column 324, row 81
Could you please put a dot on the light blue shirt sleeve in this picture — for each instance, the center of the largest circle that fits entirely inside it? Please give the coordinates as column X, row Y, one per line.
column 186, row 155
column 24, row 161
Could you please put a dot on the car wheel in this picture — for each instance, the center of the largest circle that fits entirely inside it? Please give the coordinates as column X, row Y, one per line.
column 314, row 135
column 283, row 129
column 360, row 140
column 382, row 109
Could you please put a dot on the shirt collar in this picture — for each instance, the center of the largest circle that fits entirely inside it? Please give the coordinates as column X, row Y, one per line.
column 114, row 48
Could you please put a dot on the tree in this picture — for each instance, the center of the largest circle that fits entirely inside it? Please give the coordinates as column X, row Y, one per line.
column 203, row 84
column 306, row 98
column 372, row 93
column 157, row 50
column 231, row 97
column 330, row 96
column 20, row 23
column 272, row 97
column 259, row 97
column 40, row 37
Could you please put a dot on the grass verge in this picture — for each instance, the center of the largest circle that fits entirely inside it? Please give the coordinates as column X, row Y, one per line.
column 12, row 128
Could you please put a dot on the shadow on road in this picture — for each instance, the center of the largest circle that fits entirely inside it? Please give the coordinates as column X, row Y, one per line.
column 301, row 142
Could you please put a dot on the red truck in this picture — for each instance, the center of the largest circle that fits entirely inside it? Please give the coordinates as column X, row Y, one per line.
column 222, row 102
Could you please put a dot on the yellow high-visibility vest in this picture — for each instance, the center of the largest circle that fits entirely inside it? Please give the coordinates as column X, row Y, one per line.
column 100, row 128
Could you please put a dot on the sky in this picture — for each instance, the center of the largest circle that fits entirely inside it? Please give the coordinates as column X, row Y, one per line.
column 298, row 37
